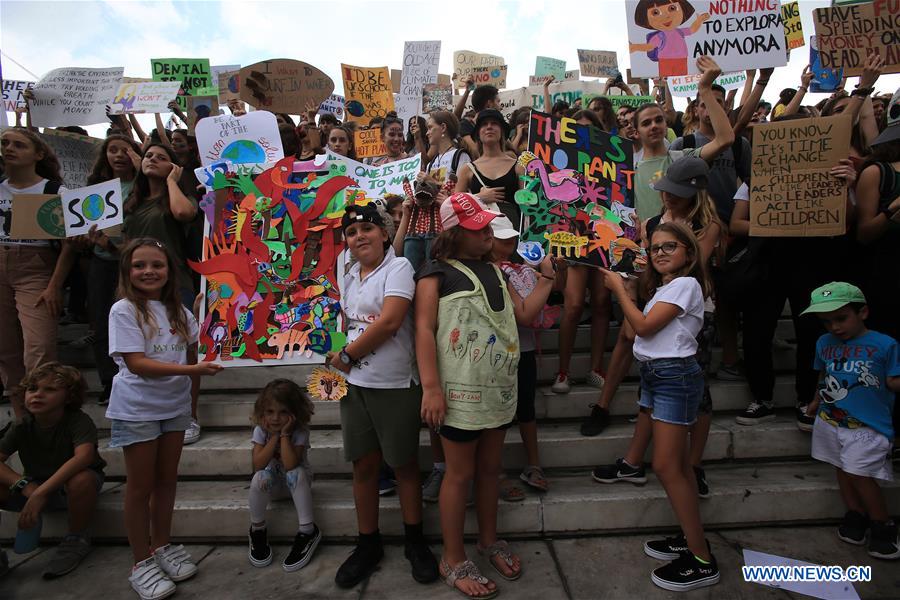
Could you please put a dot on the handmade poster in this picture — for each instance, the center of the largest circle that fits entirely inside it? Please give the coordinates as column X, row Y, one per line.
column 572, row 74
column 495, row 76
column 368, row 143
column 641, row 82
column 74, row 96
column 847, row 34
column 420, row 66
column 201, row 107
column 326, row 385
column 737, row 35
column 792, row 192
column 270, row 270
column 228, row 80
column 13, row 94
column 283, row 85
column 368, row 92
column 465, row 60
column 33, row 217
column 568, row 91
column 437, row 97
column 396, row 74
column 687, row 86
column 623, row 100
column 250, row 139
column 99, row 204
column 333, row 105
column 147, row 97
column 372, row 183
column 76, row 154
column 193, row 73
column 578, row 187
column 824, row 79
column 444, row 79
column 793, row 25
column 598, row 63
column 545, row 66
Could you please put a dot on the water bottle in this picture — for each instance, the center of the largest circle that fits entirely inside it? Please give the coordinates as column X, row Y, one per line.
column 27, row 540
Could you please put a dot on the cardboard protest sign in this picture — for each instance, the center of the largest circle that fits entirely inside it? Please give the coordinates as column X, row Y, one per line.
column 99, row 205
column 444, row 79
column 201, row 107
column 578, row 187
column 13, row 94
column 74, row 96
column 333, row 105
column 437, row 97
column 544, row 66
column 572, row 74
column 148, row 97
column 495, row 76
column 368, row 92
column 824, row 79
column 228, row 80
column 793, row 25
column 33, row 217
column 193, row 73
column 641, row 82
column 687, row 86
column 792, row 192
column 271, row 277
column 737, row 35
column 396, row 74
column 283, row 85
column 466, row 60
column 76, row 154
column 250, row 139
column 374, row 182
column 847, row 34
column 368, row 143
column 598, row 63
column 420, row 66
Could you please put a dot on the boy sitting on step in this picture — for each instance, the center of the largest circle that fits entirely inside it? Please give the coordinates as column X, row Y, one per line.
column 61, row 468
column 860, row 372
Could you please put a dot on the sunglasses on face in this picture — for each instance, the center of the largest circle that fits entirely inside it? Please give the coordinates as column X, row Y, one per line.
column 666, row 248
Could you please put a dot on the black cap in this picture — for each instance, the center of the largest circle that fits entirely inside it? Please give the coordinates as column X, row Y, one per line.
column 367, row 213
column 490, row 114
column 684, row 177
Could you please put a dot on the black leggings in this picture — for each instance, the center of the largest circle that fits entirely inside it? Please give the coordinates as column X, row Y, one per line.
column 527, row 387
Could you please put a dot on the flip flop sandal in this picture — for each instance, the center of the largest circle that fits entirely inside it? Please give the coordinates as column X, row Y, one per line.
column 501, row 548
column 466, row 570
column 510, row 492
column 534, row 477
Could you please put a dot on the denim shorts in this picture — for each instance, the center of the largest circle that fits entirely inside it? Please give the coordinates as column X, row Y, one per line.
column 126, row 433
column 671, row 388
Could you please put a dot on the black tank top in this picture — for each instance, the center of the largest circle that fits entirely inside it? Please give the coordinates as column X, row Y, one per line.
column 510, row 184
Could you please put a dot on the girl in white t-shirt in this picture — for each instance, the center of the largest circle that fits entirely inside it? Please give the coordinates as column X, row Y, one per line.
column 671, row 390
column 153, row 340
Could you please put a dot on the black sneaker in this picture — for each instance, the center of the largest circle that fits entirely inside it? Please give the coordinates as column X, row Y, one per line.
column 597, row 422
column 755, row 414
column 804, row 421
column 302, row 550
column 621, row 471
column 260, row 553
column 387, row 483
column 853, row 529
column 702, row 485
column 883, row 541
column 668, row 548
column 686, row 573
column 359, row 565
column 421, row 559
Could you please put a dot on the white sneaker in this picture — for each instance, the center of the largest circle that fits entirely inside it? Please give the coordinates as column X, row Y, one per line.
column 561, row 385
column 175, row 562
column 192, row 433
column 150, row 582
column 595, row 379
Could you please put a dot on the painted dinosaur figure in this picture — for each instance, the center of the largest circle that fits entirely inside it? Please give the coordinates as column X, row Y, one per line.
column 563, row 243
column 561, row 186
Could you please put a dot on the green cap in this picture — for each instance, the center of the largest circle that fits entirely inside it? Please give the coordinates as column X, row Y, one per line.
column 833, row 296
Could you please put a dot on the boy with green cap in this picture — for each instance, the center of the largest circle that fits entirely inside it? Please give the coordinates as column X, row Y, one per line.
column 860, row 372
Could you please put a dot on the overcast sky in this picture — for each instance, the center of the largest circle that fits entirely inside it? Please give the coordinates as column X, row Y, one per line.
column 37, row 36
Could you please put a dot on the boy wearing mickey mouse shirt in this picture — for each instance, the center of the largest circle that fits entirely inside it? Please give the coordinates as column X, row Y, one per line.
column 860, row 372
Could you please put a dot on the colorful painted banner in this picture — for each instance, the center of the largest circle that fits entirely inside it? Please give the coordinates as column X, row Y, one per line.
column 824, row 80
column 250, row 139
column 33, row 217
column 598, row 63
column 368, row 143
column 368, row 92
column 737, row 35
column 847, row 34
column 13, row 94
column 283, row 85
column 148, row 97
column 578, row 186
column 545, row 66
column 76, row 154
column 687, row 86
column 465, row 60
column 74, row 96
column 792, row 192
column 420, row 67
column 793, row 25
column 437, row 97
column 99, row 204
column 193, row 73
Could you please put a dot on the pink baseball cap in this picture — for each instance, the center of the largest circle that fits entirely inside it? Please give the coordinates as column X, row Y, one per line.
column 467, row 211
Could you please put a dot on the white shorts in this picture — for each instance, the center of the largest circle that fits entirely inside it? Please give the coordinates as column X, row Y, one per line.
column 861, row 451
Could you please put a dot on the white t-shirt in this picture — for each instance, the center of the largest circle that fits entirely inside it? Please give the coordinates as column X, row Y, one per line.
column 390, row 366
column 678, row 339
column 742, row 194
column 136, row 398
column 300, row 437
column 442, row 165
column 6, row 195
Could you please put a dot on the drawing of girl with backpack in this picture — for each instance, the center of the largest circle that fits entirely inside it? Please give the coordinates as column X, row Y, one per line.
column 666, row 44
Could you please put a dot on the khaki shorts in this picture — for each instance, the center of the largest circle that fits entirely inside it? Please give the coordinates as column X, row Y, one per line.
column 381, row 419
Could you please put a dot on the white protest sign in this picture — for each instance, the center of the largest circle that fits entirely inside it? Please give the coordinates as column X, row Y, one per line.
column 420, row 66
column 569, row 91
column 573, row 74
column 377, row 181
column 99, row 205
column 508, row 100
column 252, row 138
column 465, row 60
column 686, row 86
column 737, row 35
column 13, row 94
column 333, row 106
column 147, row 97
column 74, row 96
column 598, row 63
column 76, row 154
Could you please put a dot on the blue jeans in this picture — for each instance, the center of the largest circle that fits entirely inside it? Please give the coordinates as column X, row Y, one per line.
column 417, row 249
column 671, row 388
